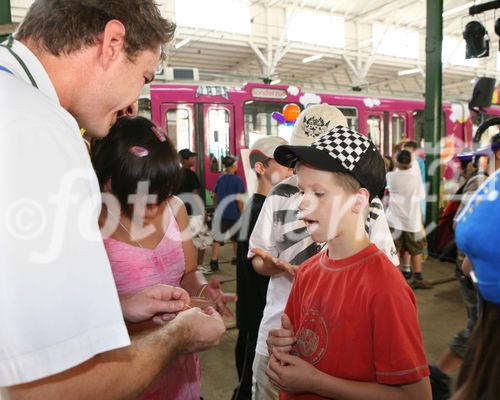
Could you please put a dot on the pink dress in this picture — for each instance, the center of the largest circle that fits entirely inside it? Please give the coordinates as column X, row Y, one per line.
column 135, row 268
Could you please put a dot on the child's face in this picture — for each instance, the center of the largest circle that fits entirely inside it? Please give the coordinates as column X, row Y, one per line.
column 326, row 207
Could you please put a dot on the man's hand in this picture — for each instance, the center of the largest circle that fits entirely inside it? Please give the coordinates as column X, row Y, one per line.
column 276, row 262
column 219, row 298
column 201, row 329
column 291, row 373
column 160, row 302
column 466, row 266
column 281, row 339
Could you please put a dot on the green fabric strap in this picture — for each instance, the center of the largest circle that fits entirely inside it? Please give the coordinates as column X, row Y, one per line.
column 8, row 46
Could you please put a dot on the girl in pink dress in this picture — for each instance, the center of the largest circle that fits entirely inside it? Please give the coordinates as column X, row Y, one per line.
column 139, row 166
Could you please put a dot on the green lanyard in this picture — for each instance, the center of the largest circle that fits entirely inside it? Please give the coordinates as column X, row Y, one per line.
column 8, row 46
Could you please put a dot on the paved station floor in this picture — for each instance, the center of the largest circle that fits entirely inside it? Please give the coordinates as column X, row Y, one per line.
column 441, row 313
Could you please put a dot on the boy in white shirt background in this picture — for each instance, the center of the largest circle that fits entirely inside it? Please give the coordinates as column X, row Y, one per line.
column 404, row 215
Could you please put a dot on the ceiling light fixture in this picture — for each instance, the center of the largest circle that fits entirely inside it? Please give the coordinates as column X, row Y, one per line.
column 458, row 9
column 183, row 42
column 409, row 71
column 312, row 58
column 275, row 81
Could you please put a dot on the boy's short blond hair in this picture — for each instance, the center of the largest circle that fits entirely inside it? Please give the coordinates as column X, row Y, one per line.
column 347, row 182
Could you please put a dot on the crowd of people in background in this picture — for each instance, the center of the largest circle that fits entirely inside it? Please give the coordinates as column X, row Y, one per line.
column 328, row 251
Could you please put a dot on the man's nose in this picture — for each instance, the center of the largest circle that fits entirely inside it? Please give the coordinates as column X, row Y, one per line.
column 131, row 111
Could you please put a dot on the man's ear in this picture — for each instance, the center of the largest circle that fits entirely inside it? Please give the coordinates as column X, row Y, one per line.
column 361, row 201
column 113, row 42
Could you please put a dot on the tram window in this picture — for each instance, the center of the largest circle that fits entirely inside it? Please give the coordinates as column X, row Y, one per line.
column 218, row 137
column 178, row 128
column 351, row 115
column 259, row 122
column 398, row 126
column 418, row 127
column 374, row 125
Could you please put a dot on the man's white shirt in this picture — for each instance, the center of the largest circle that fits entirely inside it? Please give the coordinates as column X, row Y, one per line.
column 58, row 301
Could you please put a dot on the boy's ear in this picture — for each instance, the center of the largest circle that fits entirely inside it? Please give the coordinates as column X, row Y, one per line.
column 259, row 168
column 361, row 201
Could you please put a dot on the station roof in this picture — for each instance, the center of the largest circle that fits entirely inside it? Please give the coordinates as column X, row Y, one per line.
column 377, row 46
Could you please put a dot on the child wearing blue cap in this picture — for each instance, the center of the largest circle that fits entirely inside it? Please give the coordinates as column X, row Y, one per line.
column 479, row 378
column 350, row 328
column 230, row 187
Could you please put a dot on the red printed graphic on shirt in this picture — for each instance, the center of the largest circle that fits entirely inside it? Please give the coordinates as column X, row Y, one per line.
column 312, row 338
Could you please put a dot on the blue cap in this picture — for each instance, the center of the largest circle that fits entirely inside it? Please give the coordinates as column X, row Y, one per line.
column 478, row 236
column 466, row 156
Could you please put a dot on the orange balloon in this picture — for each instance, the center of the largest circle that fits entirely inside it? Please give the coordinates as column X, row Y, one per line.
column 291, row 112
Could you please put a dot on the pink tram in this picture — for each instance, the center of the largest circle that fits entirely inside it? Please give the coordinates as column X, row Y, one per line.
column 217, row 120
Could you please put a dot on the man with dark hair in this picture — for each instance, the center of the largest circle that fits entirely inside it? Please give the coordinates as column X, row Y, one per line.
column 76, row 65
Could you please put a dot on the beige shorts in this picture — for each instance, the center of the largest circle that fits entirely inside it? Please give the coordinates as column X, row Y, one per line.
column 414, row 243
column 202, row 237
column 262, row 388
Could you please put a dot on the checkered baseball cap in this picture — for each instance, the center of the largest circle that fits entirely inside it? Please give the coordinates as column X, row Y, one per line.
column 340, row 150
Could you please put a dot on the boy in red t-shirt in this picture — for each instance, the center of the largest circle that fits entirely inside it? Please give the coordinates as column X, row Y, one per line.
column 350, row 328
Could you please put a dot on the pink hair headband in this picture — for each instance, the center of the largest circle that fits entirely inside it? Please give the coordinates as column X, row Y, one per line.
column 159, row 133
column 138, row 151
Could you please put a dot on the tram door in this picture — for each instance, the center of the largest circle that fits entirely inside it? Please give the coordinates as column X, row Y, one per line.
column 375, row 127
column 399, row 129
column 217, row 124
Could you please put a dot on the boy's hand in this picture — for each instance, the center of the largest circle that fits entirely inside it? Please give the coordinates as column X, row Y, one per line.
column 291, row 373
column 286, row 267
column 280, row 264
column 281, row 339
column 219, row 298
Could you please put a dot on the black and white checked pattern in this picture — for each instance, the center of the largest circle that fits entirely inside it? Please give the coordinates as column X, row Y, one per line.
column 344, row 145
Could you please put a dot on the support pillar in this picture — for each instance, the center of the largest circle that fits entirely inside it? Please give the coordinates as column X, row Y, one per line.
column 433, row 111
column 5, row 18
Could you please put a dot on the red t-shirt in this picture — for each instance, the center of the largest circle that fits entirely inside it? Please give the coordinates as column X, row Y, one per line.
column 356, row 319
